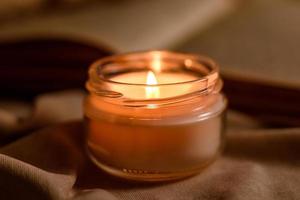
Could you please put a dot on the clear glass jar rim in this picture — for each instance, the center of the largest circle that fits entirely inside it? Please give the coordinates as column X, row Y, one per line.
column 211, row 77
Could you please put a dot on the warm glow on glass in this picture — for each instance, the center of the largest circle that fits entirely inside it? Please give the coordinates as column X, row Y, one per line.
column 151, row 92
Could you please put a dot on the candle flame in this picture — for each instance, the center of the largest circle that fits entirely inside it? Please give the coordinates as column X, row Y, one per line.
column 151, row 92
column 156, row 62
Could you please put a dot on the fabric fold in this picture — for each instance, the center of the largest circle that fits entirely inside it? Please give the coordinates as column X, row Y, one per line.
column 52, row 164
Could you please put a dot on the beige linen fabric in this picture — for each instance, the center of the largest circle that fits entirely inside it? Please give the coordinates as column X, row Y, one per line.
column 51, row 164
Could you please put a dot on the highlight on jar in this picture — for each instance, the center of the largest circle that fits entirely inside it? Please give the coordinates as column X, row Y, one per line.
column 154, row 115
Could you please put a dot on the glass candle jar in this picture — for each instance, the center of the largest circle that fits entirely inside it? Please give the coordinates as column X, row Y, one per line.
column 155, row 115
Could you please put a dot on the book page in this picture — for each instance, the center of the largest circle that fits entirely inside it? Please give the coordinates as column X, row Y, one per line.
column 125, row 25
column 260, row 42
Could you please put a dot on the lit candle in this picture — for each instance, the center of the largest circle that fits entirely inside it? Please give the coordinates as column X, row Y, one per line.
column 159, row 119
column 153, row 77
column 150, row 78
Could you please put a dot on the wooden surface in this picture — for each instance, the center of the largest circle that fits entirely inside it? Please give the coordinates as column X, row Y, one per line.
column 273, row 105
column 32, row 66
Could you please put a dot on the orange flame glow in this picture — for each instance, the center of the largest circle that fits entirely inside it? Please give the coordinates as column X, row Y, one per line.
column 152, row 92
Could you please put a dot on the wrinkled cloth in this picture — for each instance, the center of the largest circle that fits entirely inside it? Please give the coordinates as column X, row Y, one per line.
column 51, row 164
column 46, row 109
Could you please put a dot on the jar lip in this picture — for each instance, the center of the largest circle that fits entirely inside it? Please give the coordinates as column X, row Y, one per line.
column 211, row 77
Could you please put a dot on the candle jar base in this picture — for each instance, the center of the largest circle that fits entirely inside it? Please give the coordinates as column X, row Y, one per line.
column 148, row 176
column 152, row 152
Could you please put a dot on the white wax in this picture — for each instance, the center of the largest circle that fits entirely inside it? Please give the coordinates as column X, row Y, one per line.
column 162, row 78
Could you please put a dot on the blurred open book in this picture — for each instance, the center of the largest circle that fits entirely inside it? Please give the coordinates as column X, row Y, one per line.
column 259, row 42
column 124, row 25
column 258, row 50
column 257, row 46
column 42, row 41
